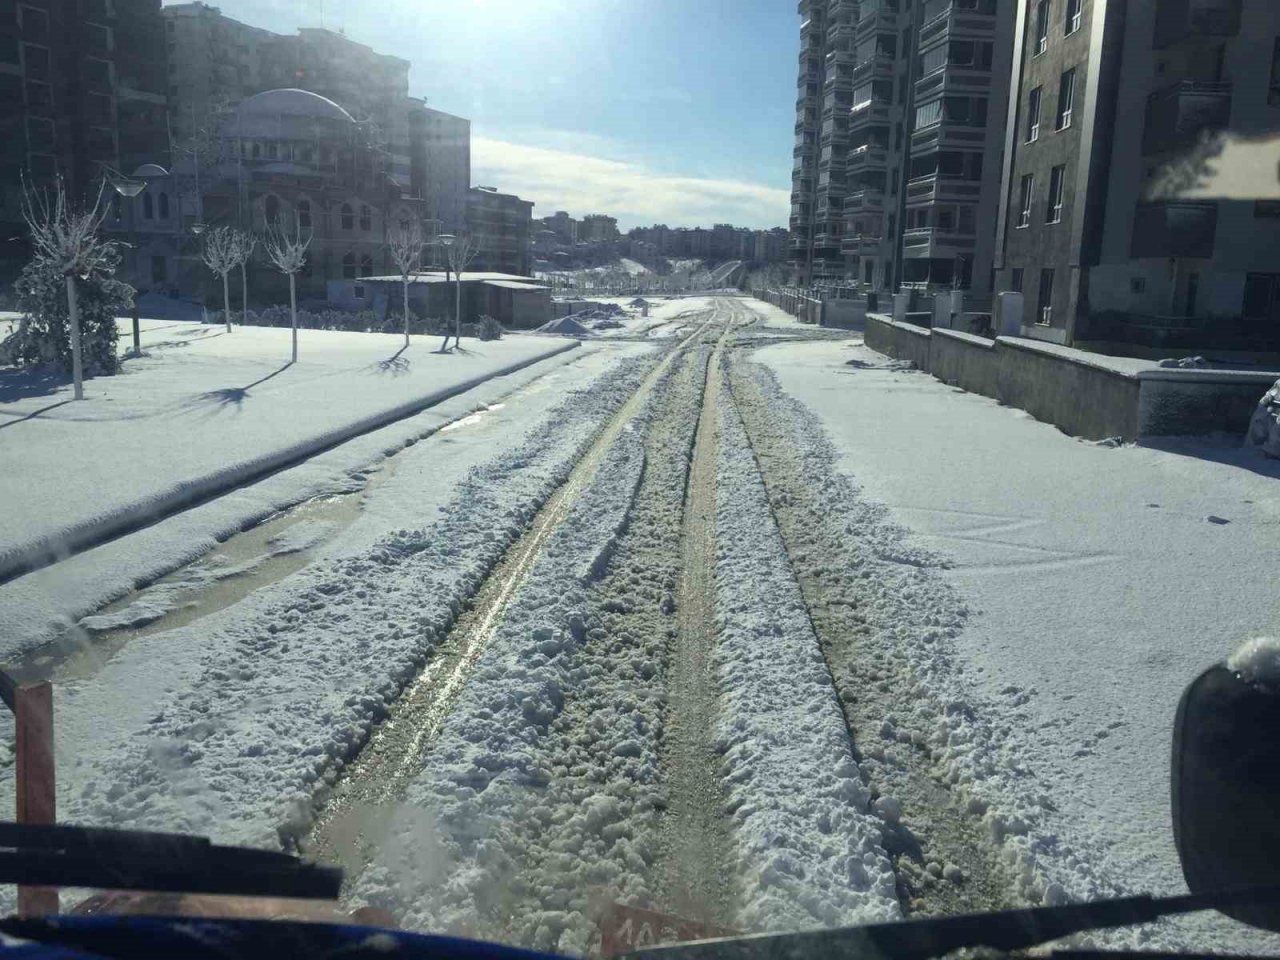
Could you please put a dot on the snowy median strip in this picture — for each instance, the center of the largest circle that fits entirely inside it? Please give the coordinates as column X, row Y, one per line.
column 810, row 851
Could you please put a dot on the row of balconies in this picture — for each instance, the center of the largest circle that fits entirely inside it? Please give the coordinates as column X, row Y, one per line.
column 1180, row 19
column 1180, row 114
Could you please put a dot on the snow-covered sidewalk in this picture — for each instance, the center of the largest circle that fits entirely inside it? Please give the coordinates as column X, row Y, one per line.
column 1098, row 582
column 201, row 412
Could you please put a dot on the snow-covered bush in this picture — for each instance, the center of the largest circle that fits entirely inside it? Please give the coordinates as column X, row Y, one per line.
column 43, row 336
column 1264, row 428
column 489, row 328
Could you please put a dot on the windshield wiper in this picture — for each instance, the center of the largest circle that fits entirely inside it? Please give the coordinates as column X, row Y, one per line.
column 921, row 939
column 63, row 856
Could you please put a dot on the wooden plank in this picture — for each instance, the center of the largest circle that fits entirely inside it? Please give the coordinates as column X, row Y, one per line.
column 36, row 787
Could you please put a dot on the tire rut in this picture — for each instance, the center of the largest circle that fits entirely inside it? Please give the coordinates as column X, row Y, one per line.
column 943, row 856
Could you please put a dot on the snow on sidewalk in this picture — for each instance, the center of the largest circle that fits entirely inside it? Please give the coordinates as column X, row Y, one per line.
column 232, row 726
column 1099, row 582
column 202, row 411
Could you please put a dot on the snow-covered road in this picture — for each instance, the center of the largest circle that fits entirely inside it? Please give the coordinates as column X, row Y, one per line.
column 746, row 624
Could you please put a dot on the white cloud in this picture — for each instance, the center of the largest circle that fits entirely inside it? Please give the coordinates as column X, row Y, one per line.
column 558, row 179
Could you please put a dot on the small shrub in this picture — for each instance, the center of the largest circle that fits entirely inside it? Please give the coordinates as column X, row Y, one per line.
column 44, row 336
column 489, row 329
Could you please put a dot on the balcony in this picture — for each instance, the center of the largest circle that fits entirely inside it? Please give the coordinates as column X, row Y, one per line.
column 1178, row 115
column 864, row 199
column 879, row 66
column 861, row 244
column 1174, row 228
column 868, row 156
column 1178, row 20
column 933, row 188
column 945, row 243
column 877, row 15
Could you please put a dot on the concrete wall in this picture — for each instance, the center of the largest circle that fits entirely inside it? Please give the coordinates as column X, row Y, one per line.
column 1085, row 395
column 965, row 361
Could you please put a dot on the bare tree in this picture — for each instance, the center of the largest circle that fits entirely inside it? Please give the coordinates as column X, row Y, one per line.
column 288, row 254
column 220, row 255
column 245, row 242
column 406, row 253
column 459, row 254
column 67, row 240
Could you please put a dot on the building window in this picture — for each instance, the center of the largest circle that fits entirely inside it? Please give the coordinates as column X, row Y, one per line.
column 358, row 291
column 348, row 217
column 1273, row 90
column 304, row 214
column 1073, row 16
column 1033, row 114
column 1046, row 296
column 1066, row 98
column 159, row 270
column 1015, row 279
column 366, row 218
column 1042, row 27
column 1266, row 209
column 348, row 266
column 1137, row 284
column 257, row 150
column 1262, row 297
column 1027, row 192
column 272, row 210
column 1057, row 182
column 164, row 206
column 148, row 207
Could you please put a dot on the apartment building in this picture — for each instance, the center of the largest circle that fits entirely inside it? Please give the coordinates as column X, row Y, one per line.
column 1115, row 102
column 502, row 225
column 440, row 164
column 82, row 85
column 598, row 228
column 896, row 165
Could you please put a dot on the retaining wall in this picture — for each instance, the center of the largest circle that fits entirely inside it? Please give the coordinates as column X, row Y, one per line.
column 1086, row 395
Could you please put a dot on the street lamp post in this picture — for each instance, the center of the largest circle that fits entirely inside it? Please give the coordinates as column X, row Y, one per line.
column 447, row 240
column 129, row 188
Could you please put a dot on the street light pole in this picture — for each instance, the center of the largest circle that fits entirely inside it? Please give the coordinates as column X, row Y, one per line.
column 447, row 241
column 129, row 188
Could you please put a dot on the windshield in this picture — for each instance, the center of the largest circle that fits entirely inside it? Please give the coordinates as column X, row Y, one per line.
column 605, row 474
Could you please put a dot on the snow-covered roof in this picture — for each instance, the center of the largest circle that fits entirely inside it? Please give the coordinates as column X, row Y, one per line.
column 432, row 276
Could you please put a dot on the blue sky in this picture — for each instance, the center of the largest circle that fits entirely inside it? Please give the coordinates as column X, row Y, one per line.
column 675, row 111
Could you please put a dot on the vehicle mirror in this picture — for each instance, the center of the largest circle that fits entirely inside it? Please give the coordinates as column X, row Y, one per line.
column 1226, row 786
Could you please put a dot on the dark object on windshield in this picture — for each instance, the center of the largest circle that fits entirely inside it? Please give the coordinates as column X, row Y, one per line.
column 1226, row 785
column 57, row 856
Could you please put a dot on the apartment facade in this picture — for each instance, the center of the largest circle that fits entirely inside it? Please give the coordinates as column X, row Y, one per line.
column 598, row 228
column 82, row 88
column 440, row 164
column 1117, row 101
column 502, row 225
column 898, row 140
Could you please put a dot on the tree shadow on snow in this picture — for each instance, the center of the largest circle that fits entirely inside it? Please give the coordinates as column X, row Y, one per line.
column 396, row 364
column 1223, row 449
column 235, row 396
column 28, row 382
column 33, row 415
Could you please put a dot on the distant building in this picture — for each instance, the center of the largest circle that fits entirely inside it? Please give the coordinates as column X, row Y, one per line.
column 502, row 224
column 218, row 61
column 563, row 226
column 298, row 160
column 1107, row 94
column 81, row 86
column 598, row 228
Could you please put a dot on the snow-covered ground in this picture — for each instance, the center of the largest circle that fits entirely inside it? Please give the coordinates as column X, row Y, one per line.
column 1097, row 582
column 231, row 725
column 202, row 411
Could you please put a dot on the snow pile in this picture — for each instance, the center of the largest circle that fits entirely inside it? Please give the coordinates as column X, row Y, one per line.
column 1257, row 660
column 491, row 785
column 1184, row 363
column 235, row 725
column 810, row 850
column 564, row 326
column 1264, row 428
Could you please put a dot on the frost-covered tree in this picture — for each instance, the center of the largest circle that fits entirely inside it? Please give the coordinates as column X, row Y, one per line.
column 244, row 244
column 66, row 244
column 458, row 254
column 288, row 254
column 220, row 255
column 405, row 244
